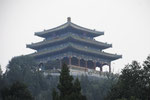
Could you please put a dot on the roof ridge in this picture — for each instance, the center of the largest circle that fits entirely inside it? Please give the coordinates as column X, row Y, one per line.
column 69, row 23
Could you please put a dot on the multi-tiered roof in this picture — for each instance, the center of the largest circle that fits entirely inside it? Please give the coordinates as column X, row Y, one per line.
column 70, row 40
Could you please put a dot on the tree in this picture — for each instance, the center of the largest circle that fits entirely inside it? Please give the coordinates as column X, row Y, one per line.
column 18, row 91
column 131, row 98
column 133, row 83
column 55, row 95
column 128, row 83
column 0, row 74
column 1, row 71
column 77, row 91
column 65, row 85
column 24, row 69
column 146, row 78
column 96, row 88
column 68, row 90
column 20, row 68
column 1, row 80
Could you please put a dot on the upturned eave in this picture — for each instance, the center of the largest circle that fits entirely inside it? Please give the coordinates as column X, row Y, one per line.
column 91, row 32
column 74, row 47
column 38, row 45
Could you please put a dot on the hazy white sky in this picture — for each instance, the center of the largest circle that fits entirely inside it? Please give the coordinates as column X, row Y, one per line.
column 126, row 24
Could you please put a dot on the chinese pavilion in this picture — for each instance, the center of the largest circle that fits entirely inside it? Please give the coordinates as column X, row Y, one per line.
column 74, row 45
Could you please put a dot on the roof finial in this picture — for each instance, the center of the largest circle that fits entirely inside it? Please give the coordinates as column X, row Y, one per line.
column 69, row 19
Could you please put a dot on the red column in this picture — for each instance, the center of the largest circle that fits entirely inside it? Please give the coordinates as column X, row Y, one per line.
column 101, row 69
column 109, row 68
column 60, row 62
column 79, row 62
column 94, row 65
column 86, row 64
column 69, row 60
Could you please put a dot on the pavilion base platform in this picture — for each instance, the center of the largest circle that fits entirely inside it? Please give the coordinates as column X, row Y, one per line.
column 77, row 71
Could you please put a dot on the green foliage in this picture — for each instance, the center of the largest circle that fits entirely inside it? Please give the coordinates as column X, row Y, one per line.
column 55, row 95
column 24, row 69
column 20, row 68
column 1, row 80
column 96, row 88
column 65, row 85
column 67, row 89
column 133, row 83
column 77, row 91
column 1, row 71
column 77, row 87
column 18, row 91
column 0, row 74
column 131, row 98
